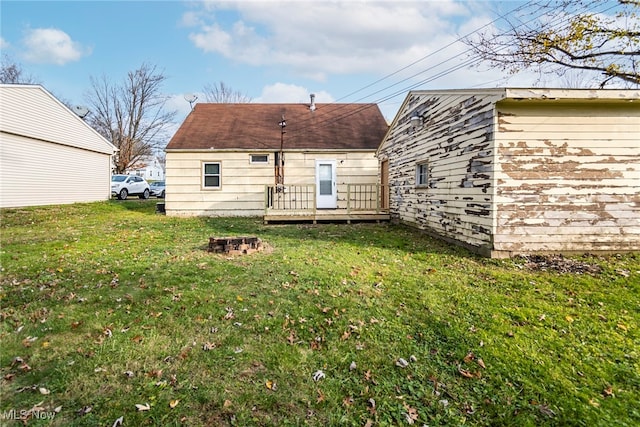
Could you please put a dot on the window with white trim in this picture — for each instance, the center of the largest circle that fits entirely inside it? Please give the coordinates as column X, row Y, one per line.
column 259, row 158
column 422, row 174
column 211, row 175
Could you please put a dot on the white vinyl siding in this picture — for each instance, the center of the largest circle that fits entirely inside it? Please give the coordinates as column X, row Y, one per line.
column 48, row 155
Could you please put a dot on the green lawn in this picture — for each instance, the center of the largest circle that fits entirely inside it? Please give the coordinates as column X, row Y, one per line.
column 110, row 310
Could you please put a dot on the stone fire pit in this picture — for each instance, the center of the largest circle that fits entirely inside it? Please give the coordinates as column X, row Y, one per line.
column 235, row 245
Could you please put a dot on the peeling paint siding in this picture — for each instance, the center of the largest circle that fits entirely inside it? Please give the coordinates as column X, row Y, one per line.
column 568, row 177
column 456, row 139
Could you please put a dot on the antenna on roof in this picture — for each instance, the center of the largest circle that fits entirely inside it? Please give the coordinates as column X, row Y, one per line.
column 80, row 110
column 190, row 98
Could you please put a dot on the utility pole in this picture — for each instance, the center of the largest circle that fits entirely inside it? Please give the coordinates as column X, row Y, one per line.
column 280, row 166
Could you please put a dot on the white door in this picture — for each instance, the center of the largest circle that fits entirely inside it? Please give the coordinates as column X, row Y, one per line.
column 326, row 194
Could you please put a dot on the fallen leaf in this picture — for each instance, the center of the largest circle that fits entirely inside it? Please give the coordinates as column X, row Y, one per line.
column 208, row 346
column 137, row 339
column 402, row 363
column 411, row 415
column 369, row 423
column 608, row 392
column 118, row 422
column 174, row 403
column 481, row 363
column 269, row 384
column 546, row 411
column 469, row 357
column 142, row 408
column 155, row 373
column 318, row 375
column 623, row 327
column 320, row 397
column 43, row 390
column 227, row 403
column 594, row 403
column 353, row 366
column 465, row 373
column 347, row 401
column 569, row 319
column 84, row 410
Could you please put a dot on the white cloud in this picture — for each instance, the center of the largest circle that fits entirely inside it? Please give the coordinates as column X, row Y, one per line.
column 51, row 46
column 290, row 93
column 316, row 39
column 4, row 44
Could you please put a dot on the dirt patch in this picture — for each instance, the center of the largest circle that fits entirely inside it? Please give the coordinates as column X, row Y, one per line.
column 560, row 264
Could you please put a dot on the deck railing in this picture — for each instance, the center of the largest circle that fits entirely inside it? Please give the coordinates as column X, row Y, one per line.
column 359, row 197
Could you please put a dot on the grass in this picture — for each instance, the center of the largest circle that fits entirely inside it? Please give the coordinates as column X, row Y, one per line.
column 107, row 306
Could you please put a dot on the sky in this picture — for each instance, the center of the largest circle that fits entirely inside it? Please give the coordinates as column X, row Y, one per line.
column 271, row 51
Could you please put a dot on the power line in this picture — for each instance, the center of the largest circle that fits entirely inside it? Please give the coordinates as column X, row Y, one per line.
column 472, row 59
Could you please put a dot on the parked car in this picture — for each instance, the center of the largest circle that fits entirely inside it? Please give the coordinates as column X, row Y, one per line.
column 157, row 189
column 129, row 185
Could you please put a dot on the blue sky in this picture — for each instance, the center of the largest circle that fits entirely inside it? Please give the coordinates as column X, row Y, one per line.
column 272, row 51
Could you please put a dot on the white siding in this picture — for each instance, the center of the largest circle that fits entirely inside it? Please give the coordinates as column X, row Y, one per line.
column 242, row 191
column 36, row 173
column 48, row 155
column 31, row 111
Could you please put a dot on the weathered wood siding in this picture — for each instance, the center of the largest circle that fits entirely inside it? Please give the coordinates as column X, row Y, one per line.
column 456, row 139
column 242, row 191
column 568, row 176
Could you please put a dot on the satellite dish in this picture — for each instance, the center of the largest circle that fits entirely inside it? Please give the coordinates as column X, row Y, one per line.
column 80, row 110
column 190, row 98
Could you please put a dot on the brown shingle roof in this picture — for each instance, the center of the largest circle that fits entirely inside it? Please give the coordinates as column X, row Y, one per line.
column 255, row 127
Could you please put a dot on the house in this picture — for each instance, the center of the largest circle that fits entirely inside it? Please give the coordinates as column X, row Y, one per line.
column 149, row 168
column 280, row 161
column 48, row 154
column 516, row 171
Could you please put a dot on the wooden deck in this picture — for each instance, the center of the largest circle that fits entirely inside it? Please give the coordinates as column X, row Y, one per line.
column 321, row 215
column 297, row 203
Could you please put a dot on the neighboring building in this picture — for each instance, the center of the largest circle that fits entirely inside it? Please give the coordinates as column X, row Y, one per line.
column 148, row 168
column 49, row 155
column 513, row 171
column 224, row 160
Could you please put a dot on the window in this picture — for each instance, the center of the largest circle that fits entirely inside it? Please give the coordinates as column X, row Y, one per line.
column 259, row 158
column 211, row 175
column 422, row 174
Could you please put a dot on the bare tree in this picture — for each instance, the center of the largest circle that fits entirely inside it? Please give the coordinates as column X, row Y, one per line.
column 223, row 94
column 11, row 72
column 557, row 35
column 131, row 115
